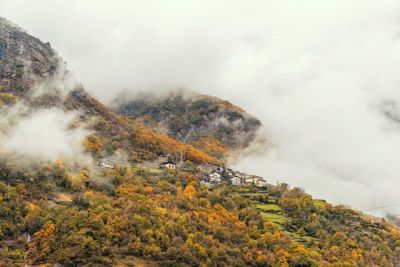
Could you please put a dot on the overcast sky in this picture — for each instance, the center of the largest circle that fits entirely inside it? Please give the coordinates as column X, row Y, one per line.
column 317, row 73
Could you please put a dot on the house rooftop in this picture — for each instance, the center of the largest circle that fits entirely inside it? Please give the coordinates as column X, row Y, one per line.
column 168, row 162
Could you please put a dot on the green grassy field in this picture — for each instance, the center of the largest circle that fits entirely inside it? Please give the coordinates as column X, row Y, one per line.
column 154, row 171
column 277, row 218
column 267, row 207
column 272, row 212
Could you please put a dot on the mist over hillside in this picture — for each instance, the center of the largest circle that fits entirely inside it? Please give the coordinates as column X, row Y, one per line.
column 149, row 179
column 316, row 80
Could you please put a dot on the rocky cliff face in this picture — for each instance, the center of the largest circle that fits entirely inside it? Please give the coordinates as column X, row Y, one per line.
column 24, row 59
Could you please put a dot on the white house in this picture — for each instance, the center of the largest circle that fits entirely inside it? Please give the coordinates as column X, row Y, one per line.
column 260, row 182
column 215, row 177
column 104, row 165
column 249, row 180
column 236, row 181
column 168, row 165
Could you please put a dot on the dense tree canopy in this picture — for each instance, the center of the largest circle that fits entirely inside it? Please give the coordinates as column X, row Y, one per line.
column 120, row 216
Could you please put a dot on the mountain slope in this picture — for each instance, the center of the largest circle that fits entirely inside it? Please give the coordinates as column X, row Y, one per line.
column 169, row 219
column 33, row 74
column 207, row 122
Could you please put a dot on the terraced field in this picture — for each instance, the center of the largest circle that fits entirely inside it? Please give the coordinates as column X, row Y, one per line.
column 270, row 211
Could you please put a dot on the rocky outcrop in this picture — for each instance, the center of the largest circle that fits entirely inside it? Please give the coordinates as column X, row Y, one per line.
column 24, row 59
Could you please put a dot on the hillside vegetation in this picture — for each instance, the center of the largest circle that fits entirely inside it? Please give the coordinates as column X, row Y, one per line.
column 113, row 133
column 105, row 217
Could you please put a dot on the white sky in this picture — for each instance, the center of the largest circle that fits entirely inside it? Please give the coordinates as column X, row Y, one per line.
column 315, row 72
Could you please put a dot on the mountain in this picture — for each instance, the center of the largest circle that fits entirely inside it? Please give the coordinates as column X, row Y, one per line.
column 24, row 59
column 127, row 209
column 33, row 73
column 209, row 123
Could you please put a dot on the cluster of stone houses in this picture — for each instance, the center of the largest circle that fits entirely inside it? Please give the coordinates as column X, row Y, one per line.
column 215, row 174
column 246, row 179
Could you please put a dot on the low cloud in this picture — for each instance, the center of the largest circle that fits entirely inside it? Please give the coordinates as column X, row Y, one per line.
column 37, row 128
column 46, row 134
column 60, row 84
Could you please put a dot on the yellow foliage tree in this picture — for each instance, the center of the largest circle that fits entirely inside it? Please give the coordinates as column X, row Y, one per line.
column 190, row 191
column 41, row 245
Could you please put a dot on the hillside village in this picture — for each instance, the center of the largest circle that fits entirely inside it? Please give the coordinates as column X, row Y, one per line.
column 215, row 175
column 210, row 175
